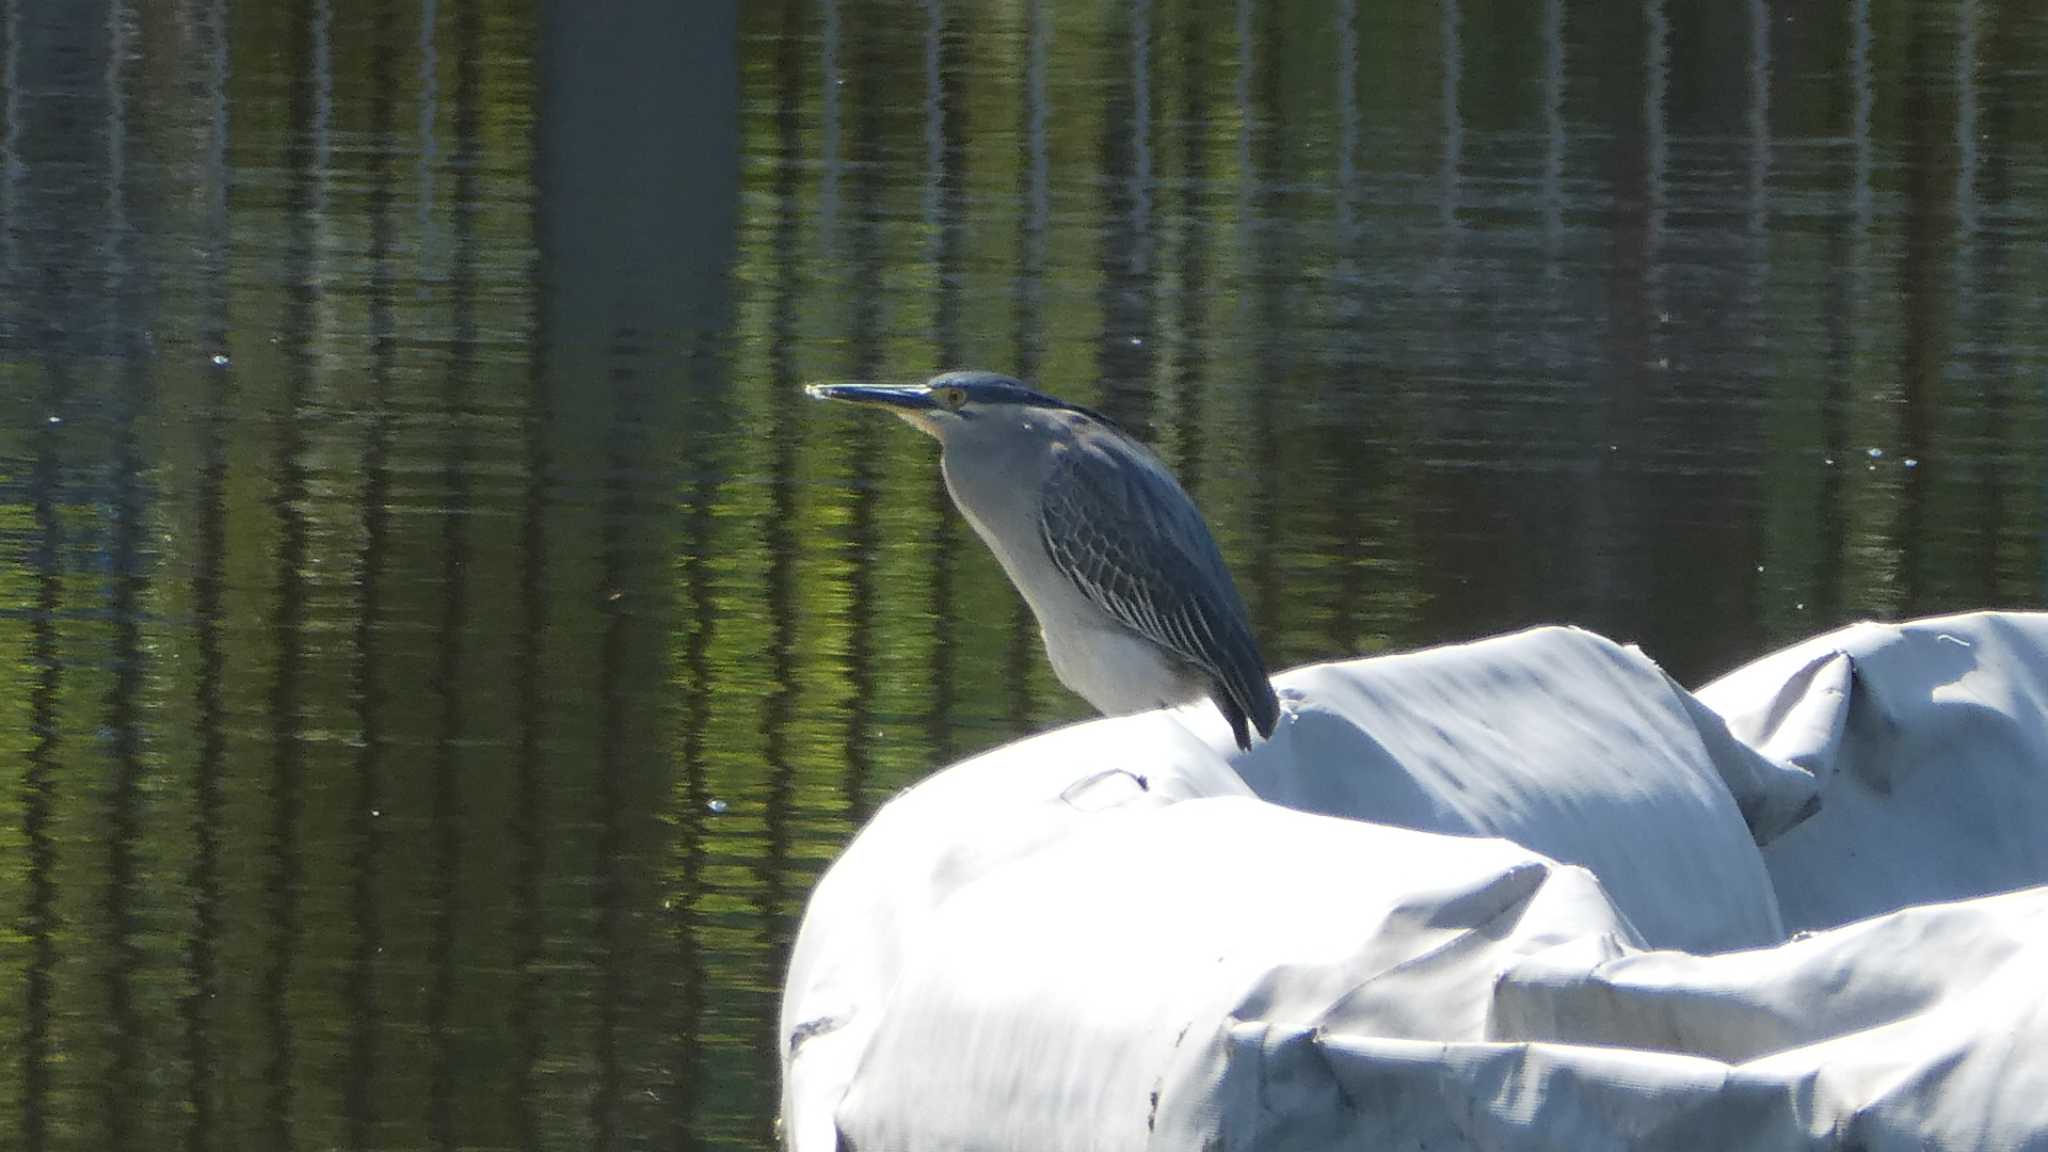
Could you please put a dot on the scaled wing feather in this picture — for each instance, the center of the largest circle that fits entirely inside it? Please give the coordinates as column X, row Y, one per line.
column 1129, row 538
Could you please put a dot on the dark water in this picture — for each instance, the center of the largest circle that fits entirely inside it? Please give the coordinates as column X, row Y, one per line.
column 440, row 647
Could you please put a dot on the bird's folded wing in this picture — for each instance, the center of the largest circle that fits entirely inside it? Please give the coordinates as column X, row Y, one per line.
column 1127, row 536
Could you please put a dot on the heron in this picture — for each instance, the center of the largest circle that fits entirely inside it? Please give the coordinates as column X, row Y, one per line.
column 1133, row 601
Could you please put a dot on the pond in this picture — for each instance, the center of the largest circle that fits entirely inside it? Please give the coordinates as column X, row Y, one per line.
column 442, row 647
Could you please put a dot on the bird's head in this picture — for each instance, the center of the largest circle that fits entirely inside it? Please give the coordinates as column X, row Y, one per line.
column 947, row 403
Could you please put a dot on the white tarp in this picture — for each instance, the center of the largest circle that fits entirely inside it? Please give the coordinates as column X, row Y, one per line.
column 1113, row 937
column 1084, row 997
column 1558, row 740
column 1930, row 740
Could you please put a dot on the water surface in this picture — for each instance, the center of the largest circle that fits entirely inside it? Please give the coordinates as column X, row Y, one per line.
column 441, row 648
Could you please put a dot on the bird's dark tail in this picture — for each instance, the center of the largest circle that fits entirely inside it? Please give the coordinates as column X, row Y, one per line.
column 1264, row 716
column 1265, row 708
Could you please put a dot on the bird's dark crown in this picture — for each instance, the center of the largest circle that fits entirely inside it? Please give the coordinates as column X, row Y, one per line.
column 983, row 387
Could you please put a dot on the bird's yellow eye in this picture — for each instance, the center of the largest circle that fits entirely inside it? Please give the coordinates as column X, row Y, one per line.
column 953, row 398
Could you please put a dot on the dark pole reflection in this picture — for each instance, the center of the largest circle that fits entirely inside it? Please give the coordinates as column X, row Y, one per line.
column 1124, row 351
column 39, row 784
column 1451, row 173
column 1029, row 342
column 1647, row 307
column 782, row 527
column 122, row 1096
column 1656, row 143
column 1756, row 604
column 864, row 259
column 202, row 957
column 1480, row 526
column 706, row 425
column 1993, row 323
column 1555, row 141
column 1593, row 566
column 10, row 165
column 1972, row 299
column 366, row 817
column 428, row 164
column 448, row 816
column 1743, row 601
column 529, row 814
column 1347, row 290
column 306, row 205
column 687, row 972
column 942, row 204
column 609, row 783
column 1756, row 217
column 67, row 70
column 1841, row 311
column 1924, row 288
column 1634, row 300
column 638, row 217
column 829, row 161
column 688, row 975
column 529, row 818
column 684, row 1094
column 1268, row 259
column 1192, row 323
column 1849, row 305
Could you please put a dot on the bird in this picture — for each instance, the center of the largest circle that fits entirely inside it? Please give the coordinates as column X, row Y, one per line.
column 1134, row 603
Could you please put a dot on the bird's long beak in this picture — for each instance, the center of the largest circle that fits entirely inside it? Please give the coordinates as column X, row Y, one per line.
column 903, row 398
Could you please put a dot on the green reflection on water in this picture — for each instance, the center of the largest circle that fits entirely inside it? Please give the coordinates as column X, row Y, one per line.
column 425, row 723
